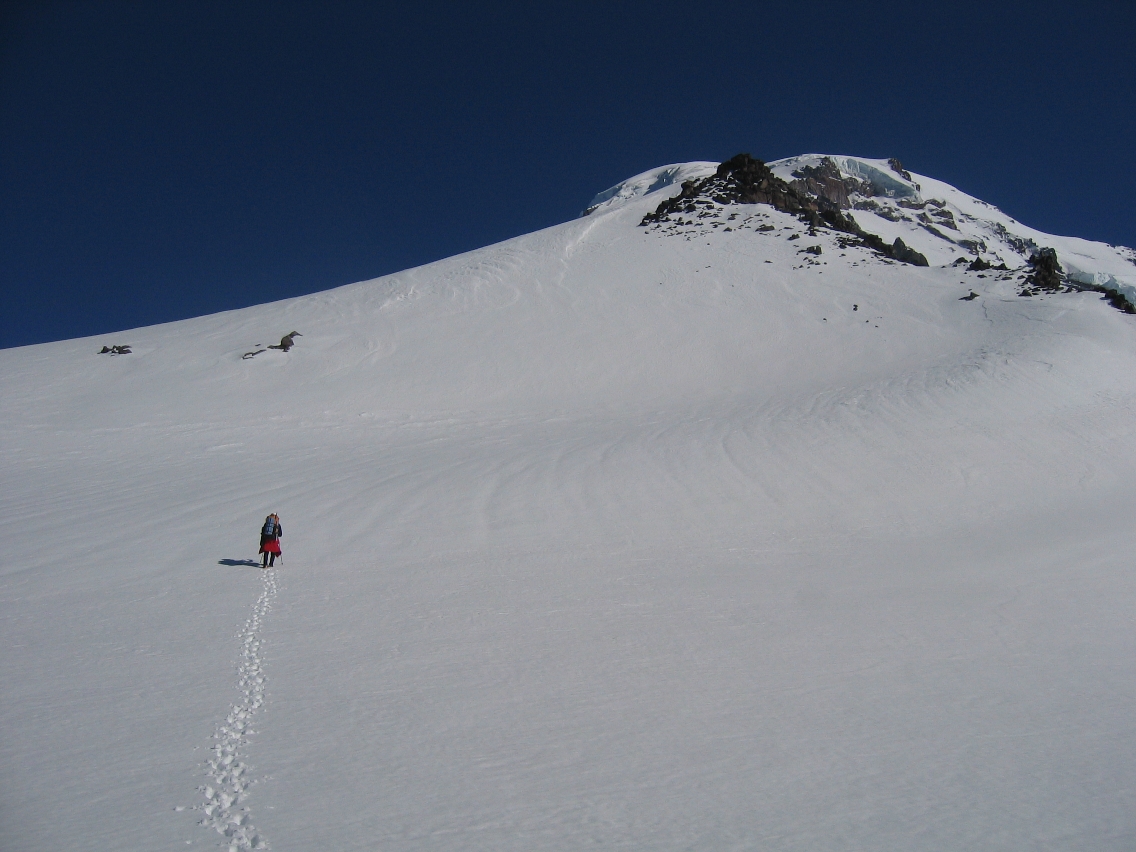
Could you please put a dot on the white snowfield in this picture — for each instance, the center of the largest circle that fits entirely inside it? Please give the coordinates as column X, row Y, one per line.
column 605, row 537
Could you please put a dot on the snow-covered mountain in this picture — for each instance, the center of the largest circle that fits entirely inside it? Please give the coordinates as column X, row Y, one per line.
column 779, row 507
column 938, row 224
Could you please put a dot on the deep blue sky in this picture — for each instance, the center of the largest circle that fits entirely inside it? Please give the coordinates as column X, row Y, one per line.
column 165, row 160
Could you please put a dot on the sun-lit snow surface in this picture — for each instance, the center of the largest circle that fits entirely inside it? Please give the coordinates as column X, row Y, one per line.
column 594, row 538
column 649, row 182
column 973, row 226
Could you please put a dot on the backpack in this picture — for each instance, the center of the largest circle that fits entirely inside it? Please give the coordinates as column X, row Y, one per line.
column 269, row 528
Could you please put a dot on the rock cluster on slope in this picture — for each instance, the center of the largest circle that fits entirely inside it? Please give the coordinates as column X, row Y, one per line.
column 816, row 197
column 286, row 343
column 1046, row 276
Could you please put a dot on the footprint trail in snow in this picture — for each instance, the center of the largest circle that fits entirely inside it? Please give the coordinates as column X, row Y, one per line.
column 228, row 776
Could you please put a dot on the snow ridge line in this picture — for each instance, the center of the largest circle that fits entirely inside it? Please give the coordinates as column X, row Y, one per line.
column 227, row 787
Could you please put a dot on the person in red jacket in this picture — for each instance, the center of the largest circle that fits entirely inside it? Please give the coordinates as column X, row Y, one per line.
column 270, row 535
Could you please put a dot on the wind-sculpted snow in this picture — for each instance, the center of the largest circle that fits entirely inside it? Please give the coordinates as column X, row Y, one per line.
column 649, row 182
column 725, row 533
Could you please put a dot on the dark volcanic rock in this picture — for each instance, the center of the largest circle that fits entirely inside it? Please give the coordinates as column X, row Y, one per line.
column 1118, row 301
column 899, row 250
column 1046, row 273
column 286, row 342
column 940, row 217
column 903, row 252
column 816, row 197
column 1048, row 278
column 739, row 180
column 826, row 182
column 981, row 265
column 897, row 167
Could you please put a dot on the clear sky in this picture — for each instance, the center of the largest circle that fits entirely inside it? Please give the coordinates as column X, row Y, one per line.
column 165, row 160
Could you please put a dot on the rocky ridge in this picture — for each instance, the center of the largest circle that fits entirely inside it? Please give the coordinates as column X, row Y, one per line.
column 817, row 199
column 824, row 193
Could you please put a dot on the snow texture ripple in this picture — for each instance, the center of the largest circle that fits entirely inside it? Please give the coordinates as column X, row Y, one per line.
column 228, row 776
column 719, row 535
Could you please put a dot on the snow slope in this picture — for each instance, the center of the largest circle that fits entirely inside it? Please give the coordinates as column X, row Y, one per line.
column 955, row 223
column 605, row 536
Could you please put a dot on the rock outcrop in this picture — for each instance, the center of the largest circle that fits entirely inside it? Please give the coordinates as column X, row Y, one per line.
column 1046, row 274
column 1047, row 277
column 897, row 167
column 287, row 342
column 903, row 252
column 828, row 183
column 817, row 196
column 739, row 180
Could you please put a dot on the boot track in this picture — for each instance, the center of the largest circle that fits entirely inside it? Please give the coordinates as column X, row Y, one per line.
column 228, row 780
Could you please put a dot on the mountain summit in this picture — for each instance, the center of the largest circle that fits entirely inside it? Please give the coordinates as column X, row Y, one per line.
column 865, row 198
column 779, row 506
